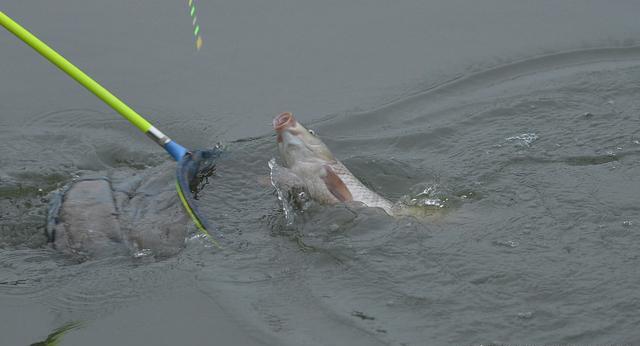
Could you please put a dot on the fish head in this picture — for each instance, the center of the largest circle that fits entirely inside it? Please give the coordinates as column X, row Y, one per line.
column 298, row 145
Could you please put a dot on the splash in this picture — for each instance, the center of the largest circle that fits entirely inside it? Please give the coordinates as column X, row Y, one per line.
column 524, row 139
column 430, row 196
column 287, row 208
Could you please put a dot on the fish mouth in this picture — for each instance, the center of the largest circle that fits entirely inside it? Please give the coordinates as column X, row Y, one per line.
column 283, row 121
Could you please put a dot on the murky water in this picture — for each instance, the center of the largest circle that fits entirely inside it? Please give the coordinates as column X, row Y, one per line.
column 536, row 160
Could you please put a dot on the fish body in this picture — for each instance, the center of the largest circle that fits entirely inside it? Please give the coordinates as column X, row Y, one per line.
column 310, row 165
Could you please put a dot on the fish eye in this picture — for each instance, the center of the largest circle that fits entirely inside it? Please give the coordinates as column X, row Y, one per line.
column 312, row 132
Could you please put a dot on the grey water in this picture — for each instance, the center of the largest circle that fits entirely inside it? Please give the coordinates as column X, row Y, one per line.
column 523, row 115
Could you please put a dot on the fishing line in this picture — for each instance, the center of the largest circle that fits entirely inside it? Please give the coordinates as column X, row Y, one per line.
column 194, row 21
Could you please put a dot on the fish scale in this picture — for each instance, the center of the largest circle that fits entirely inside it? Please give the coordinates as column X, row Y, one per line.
column 359, row 192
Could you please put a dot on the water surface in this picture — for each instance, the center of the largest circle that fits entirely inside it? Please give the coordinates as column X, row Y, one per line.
column 524, row 116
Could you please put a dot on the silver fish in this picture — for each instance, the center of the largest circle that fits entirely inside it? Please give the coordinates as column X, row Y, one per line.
column 310, row 165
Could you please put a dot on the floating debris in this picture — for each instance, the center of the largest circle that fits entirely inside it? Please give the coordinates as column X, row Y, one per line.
column 524, row 139
column 506, row 243
column 362, row 315
column 525, row 315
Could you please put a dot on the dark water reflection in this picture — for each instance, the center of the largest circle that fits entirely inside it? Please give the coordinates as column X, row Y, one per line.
column 539, row 159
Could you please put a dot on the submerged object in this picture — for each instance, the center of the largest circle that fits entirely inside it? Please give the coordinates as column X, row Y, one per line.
column 83, row 220
column 55, row 338
column 122, row 214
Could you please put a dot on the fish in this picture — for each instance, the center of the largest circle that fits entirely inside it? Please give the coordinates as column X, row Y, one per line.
column 308, row 164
